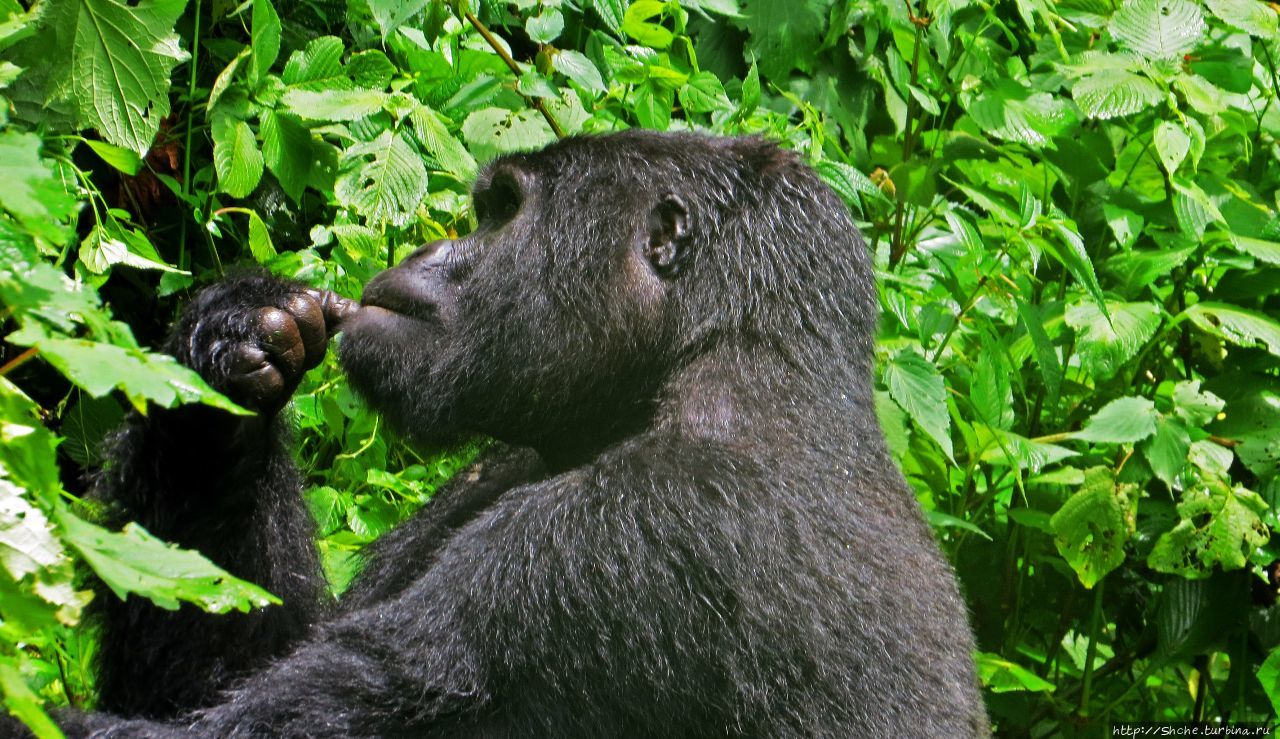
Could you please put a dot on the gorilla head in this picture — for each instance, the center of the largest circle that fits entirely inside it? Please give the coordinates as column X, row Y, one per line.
column 601, row 272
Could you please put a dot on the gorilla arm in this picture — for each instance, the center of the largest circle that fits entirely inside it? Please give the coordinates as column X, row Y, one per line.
column 224, row 485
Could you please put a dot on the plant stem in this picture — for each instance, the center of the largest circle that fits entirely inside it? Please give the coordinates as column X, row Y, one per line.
column 497, row 47
column 186, row 146
column 18, row 361
column 1092, row 651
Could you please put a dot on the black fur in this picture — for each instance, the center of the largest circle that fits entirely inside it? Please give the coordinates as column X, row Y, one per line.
column 696, row 531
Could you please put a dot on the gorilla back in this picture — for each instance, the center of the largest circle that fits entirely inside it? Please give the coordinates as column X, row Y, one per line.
column 690, row 526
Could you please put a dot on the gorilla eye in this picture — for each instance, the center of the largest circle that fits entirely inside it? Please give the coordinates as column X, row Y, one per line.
column 499, row 201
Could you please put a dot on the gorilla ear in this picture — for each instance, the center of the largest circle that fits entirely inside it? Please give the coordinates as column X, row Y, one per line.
column 668, row 224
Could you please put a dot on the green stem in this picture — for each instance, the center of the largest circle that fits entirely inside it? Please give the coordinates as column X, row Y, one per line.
column 186, row 147
column 1092, row 651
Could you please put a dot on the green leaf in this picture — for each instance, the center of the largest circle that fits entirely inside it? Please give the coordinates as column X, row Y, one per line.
column 371, row 69
column 86, row 423
column 1264, row 251
column 636, row 24
column 785, row 34
column 848, row 181
column 1250, row 16
column 23, row 702
column 578, row 68
column 999, row 675
column 1105, row 346
column 1195, row 406
column 392, row 14
column 28, row 188
column 1122, row 421
column 110, row 243
column 1115, row 94
column 265, row 40
column 610, row 12
column 494, row 131
column 287, row 150
column 1072, row 254
column 1237, row 325
column 1193, row 208
column 915, row 384
column 235, row 156
column 703, row 93
column 1172, row 144
column 318, row 67
column 1093, row 525
column 121, row 57
column 1010, row 111
column 1269, row 676
column 260, row 245
column 1166, row 451
column 1158, row 29
column 545, row 27
column 1220, row 527
column 382, row 180
column 1138, row 270
column 124, row 160
column 134, row 561
column 439, row 143
column 334, row 105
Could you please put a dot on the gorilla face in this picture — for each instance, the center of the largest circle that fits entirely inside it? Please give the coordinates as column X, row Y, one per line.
column 540, row 325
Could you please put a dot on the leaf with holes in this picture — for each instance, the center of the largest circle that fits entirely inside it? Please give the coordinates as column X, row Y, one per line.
column 382, row 180
column 1219, row 527
column 1091, row 528
column 1237, row 325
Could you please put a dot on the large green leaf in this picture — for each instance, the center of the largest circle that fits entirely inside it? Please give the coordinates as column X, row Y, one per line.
column 999, row 675
column 391, row 14
column 1105, row 346
column 1159, row 29
column 383, row 179
column 121, row 57
column 235, row 156
column 28, row 189
column 134, row 561
column 1123, row 420
column 1093, row 525
column 785, row 34
column 1237, row 325
column 1115, row 94
column 915, row 384
column 1250, row 16
column 265, row 40
column 287, row 150
column 494, row 131
column 1220, row 527
column 1008, row 110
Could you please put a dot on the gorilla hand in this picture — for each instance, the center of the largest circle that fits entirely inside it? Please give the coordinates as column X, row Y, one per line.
column 253, row 337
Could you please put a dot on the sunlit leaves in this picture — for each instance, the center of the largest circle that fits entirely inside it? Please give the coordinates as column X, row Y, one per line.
column 1115, row 94
column 382, row 180
column 916, row 385
column 1123, row 420
column 236, row 156
column 1159, row 29
column 1107, row 345
column 1220, row 526
column 1237, row 325
column 120, row 60
column 1010, row 111
column 1093, row 525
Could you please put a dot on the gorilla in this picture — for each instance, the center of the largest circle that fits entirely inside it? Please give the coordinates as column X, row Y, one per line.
column 689, row 524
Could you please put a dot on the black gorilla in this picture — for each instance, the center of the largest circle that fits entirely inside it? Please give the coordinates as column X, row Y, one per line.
column 691, row 526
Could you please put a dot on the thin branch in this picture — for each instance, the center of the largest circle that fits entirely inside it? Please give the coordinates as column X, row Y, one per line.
column 535, row 103
column 14, row 363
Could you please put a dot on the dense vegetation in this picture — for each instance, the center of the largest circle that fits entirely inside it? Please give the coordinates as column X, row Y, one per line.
column 1073, row 208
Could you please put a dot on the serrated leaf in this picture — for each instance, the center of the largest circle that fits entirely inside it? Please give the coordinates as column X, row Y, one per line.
column 225, row 78
column 383, row 180
column 1250, row 16
column 134, row 561
column 1105, row 346
column 371, row 69
column 848, row 182
column 1010, row 111
column 1071, row 253
column 636, row 23
column 915, row 385
column 1166, row 451
column 545, row 27
column 85, row 424
column 1122, row 421
column 578, row 68
column 1195, row 406
column 317, row 67
column 1091, row 528
column 1237, row 325
column 494, row 131
column 110, row 243
column 1193, row 208
column 392, row 14
column 703, row 93
column 1219, row 527
column 1158, row 29
column 235, row 156
column 334, row 105
column 1172, row 144
column 610, row 12
column 1115, row 94
column 265, row 40
column 287, row 150
column 1260, row 249
column 28, row 188
column 785, row 34
column 439, row 143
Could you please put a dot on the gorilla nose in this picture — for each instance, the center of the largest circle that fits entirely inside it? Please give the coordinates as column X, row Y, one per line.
column 435, row 254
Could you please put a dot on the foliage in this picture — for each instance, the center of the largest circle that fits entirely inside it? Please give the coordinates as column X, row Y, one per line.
column 1072, row 208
